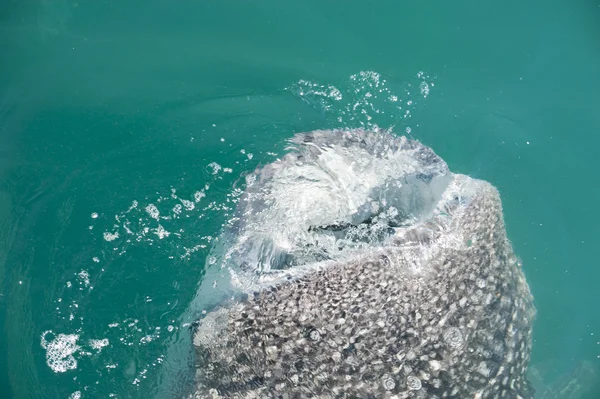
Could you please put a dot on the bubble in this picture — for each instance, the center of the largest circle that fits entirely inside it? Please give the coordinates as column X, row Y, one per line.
column 198, row 195
column 94, row 215
column 84, row 277
column 413, row 383
column 453, row 337
column 189, row 205
column 424, row 89
column 153, row 211
column 98, row 344
column 108, row 236
column 60, row 350
column 214, row 167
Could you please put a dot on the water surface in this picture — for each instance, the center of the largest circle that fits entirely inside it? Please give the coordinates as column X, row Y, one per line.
column 113, row 111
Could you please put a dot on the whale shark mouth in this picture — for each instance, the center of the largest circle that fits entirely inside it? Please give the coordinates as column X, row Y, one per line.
column 333, row 194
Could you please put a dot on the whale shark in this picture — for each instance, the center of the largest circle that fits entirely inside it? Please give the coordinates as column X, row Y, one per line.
column 360, row 266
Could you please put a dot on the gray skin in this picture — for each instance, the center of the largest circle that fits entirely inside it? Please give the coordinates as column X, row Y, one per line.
column 441, row 309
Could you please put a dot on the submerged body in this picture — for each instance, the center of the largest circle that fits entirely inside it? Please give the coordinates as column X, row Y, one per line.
column 410, row 291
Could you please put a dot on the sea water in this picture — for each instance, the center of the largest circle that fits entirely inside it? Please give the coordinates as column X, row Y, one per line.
column 127, row 130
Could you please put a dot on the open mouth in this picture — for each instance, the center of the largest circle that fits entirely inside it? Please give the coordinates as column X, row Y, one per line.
column 391, row 208
column 335, row 194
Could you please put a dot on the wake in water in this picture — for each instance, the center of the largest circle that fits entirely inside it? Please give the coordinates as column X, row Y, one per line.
column 359, row 265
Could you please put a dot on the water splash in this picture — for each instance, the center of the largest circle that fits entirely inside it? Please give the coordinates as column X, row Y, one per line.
column 337, row 193
column 63, row 350
column 367, row 99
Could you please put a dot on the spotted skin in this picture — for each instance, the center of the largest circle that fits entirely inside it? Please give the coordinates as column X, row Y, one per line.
column 442, row 311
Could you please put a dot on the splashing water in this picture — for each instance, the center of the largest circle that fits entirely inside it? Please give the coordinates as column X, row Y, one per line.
column 336, row 194
column 369, row 101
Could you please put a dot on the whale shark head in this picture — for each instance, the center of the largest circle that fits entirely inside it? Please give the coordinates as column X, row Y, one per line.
column 333, row 194
column 370, row 270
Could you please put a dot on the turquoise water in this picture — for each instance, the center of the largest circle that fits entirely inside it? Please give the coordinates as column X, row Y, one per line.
column 107, row 108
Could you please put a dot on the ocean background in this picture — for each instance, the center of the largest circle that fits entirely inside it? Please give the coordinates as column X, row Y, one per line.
column 126, row 128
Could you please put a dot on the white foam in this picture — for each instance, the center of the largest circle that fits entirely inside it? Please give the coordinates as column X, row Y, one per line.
column 161, row 232
column 198, row 195
column 365, row 98
column 214, row 167
column 75, row 395
column 108, row 236
column 153, row 211
column 177, row 209
column 148, row 338
column 157, row 219
column 189, row 205
column 98, row 344
column 60, row 351
column 424, row 89
column 84, row 277
column 339, row 183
